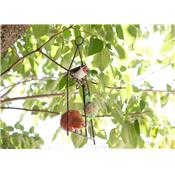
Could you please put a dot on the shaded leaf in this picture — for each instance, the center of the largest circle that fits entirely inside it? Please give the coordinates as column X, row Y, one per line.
column 31, row 130
column 40, row 30
column 19, row 126
column 142, row 104
column 132, row 30
column 95, row 46
column 62, row 83
column 119, row 31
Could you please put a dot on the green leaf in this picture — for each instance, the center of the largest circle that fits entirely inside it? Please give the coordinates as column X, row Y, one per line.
column 118, row 115
column 95, row 46
column 53, row 50
column 78, row 140
column 62, row 83
column 101, row 134
column 93, row 72
column 142, row 104
column 67, row 33
column 119, row 32
column 168, row 46
column 35, row 107
column 132, row 30
column 129, row 134
column 168, row 87
column 164, row 100
column 137, row 127
column 51, row 84
column 121, row 52
column 102, row 59
column 109, row 34
column 19, row 126
column 129, row 92
column 123, row 68
column 56, row 134
column 113, row 141
column 135, row 89
column 154, row 132
column 77, row 32
column 40, row 30
column 31, row 130
column 10, row 128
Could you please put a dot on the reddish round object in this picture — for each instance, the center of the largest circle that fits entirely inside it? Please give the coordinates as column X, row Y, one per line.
column 75, row 121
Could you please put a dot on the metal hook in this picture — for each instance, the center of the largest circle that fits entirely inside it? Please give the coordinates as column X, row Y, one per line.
column 79, row 40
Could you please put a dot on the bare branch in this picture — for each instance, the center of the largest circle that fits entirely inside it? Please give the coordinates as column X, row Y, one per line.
column 142, row 90
column 31, row 97
column 31, row 110
column 12, row 87
column 153, row 72
column 53, row 60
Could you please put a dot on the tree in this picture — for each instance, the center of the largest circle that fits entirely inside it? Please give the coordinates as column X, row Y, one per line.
column 116, row 56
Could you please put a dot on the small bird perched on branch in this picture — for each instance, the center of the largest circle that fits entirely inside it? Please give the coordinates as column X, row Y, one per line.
column 75, row 121
column 79, row 72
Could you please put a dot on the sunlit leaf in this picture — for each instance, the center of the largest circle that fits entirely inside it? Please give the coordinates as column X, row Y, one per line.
column 56, row 134
column 78, row 140
column 102, row 59
column 121, row 52
column 113, row 141
column 129, row 134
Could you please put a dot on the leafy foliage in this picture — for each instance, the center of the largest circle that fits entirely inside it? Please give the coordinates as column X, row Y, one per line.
column 15, row 137
column 116, row 56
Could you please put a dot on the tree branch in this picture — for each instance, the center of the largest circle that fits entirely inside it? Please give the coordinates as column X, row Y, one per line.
column 53, row 36
column 31, row 97
column 19, row 60
column 31, row 110
column 142, row 90
column 53, row 60
column 12, row 87
column 155, row 71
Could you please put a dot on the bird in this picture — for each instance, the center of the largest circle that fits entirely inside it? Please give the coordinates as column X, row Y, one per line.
column 75, row 121
column 79, row 72
column 91, row 109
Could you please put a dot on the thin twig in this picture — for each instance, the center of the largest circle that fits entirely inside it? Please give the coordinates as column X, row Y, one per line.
column 81, row 135
column 53, row 36
column 153, row 72
column 52, row 60
column 32, row 110
column 109, row 115
column 31, row 97
column 138, row 113
column 157, row 90
column 6, row 93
